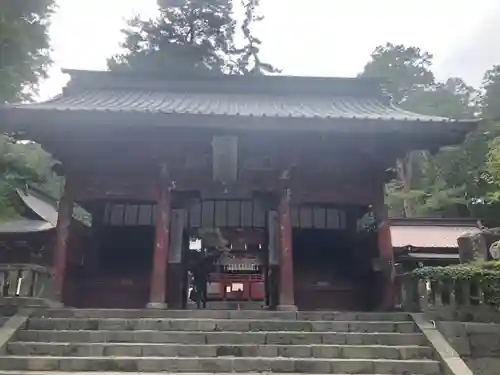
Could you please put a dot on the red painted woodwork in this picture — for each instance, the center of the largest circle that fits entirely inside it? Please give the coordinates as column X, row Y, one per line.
column 115, row 291
column 177, row 286
column 103, row 185
column 333, row 171
column 386, row 255
column 94, row 184
column 78, row 243
column 323, row 173
column 247, row 245
column 34, row 248
column 65, row 211
column 257, row 290
column 317, row 287
column 334, row 298
column 160, row 256
column 253, row 287
column 286, row 290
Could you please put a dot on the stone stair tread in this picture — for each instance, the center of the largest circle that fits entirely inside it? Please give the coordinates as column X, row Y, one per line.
column 161, row 357
column 209, row 342
column 141, row 373
column 249, row 320
column 224, row 365
column 210, row 345
column 208, row 325
column 229, row 358
column 222, row 337
column 305, row 351
column 223, row 332
column 224, row 314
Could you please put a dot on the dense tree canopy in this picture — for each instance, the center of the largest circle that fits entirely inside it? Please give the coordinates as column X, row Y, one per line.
column 24, row 47
column 192, row 36
column 24, row 60
column 459, row 180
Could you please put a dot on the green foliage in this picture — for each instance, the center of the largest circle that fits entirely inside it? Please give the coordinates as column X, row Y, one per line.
column 484, row 275
column 494, row 162
column 491, row 97
column 248, row 60
column 212, row 238
column 404, row 68
column 36, row 159
column 459, row 180
column 24, row 47
column 192, row 37
column 491, row 105
column 468, row 271
column 24, row 60
column 16, row 173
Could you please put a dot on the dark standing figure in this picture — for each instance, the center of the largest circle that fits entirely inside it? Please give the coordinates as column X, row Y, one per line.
column 201, row 269
column 200, row 279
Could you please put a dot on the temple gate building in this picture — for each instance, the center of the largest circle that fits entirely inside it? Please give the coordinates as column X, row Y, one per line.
column 285, row 167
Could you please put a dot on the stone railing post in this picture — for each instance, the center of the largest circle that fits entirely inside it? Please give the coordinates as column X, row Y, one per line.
column 25, row 281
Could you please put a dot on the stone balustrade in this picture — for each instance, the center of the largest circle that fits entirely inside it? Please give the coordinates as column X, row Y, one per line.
column 424, row 295
column 24, row 281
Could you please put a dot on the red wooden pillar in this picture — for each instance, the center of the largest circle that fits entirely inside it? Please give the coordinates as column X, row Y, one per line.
column 286, row 295
column 386, row 258
column 158, row 289
column 65, row 214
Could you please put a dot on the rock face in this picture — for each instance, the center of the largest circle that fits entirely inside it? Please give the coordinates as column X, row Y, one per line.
column 474, row 247
column 220, row 342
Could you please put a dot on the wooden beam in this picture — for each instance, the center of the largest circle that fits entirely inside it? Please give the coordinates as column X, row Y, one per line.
column 157, row 298
column 65, row 213
column 286, row 293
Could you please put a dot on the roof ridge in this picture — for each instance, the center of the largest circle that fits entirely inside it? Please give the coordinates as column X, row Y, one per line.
column 287, row 85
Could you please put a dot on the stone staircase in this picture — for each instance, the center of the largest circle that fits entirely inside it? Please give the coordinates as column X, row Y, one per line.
column 209, row 341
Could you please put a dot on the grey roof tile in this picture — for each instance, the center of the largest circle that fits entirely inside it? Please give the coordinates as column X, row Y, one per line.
column 226, row 104
column 25, row 226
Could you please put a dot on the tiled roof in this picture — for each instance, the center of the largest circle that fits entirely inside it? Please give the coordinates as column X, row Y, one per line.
column 226, row 104
column 25, row 226
column 44, row 209
column 428, row 236
column 263, row 96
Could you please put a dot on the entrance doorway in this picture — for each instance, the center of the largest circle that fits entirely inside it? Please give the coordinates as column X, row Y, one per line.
column 237, row 275
column 329, row 272
column 124, row 246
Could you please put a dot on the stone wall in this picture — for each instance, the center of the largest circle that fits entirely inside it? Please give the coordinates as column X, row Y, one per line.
column 477, row 343
column 474, row 247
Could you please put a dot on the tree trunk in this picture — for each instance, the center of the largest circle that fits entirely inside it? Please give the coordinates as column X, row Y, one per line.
column 404, row 168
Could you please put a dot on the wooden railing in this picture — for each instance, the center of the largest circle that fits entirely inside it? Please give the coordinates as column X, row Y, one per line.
column 25, row 280
column 423, row 295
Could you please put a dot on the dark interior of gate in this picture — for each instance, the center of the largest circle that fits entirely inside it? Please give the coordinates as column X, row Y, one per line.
column 119, row 274
column 241, row 273
column 332, row 267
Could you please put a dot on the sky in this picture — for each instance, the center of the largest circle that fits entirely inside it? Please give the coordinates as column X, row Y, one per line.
column 310, row 38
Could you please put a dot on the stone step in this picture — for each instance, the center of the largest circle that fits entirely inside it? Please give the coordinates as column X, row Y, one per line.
column 222, row 314
column 6, row 372
column 200, row 338
column 176, row 350
column 224, row 365
column 245, row 325
column 233, row 305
